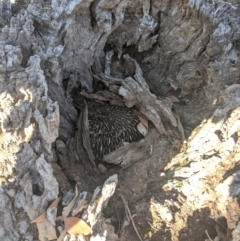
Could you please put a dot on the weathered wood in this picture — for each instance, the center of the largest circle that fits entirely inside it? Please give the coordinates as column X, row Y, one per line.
column 132, row 152
column 48, row 49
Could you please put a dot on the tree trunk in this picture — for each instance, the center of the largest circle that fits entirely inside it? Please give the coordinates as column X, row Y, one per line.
column 176, row 61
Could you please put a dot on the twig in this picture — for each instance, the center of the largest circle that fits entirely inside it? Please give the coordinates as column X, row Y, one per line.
column 118, row 220
column 180, row 127
column 62, row 235
column 130, row 215
column 154, row 227
column 208, row 235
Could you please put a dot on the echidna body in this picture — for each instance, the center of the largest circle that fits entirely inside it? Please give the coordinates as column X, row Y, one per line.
column 109, row 126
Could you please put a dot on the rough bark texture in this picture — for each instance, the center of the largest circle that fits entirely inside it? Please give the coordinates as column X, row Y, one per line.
column 165, row 57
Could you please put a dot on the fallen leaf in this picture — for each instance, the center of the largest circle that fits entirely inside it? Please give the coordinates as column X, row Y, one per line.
column 46, row 231
column 76, row 226
column 142, row 129
column 180, row 127
column 44, row 215
column 11, row 192
column 101, row 169
column 142, row 118
column 233, row 86
column 55, row 203
column 173, row 98
column 40, row 218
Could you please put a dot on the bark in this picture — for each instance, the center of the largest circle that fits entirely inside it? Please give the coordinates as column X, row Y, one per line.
column 146, row 52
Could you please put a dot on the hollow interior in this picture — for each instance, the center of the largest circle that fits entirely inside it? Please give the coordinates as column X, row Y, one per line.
column 170, row 41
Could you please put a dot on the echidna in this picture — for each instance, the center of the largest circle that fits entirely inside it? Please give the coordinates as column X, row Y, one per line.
column 109, row 126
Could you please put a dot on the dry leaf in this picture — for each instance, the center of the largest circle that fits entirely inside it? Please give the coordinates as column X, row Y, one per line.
column 76, row 226
column 55, row 203
column 173, row 98
column 142, row 129
column 40, row 218
column 46, row 231
column 102, row 169
column 180, row 127
column 44, row 215
column 142, row 118
column 11, row 192
column 233, row 86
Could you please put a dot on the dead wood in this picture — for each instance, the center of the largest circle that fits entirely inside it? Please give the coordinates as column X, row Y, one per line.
column 130, row 153
column 140, row 50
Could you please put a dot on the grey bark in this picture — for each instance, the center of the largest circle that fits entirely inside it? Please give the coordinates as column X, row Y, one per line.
column 173, row 45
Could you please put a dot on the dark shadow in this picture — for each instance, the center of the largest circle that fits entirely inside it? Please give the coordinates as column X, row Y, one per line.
column 163, row 234
column 199, row 227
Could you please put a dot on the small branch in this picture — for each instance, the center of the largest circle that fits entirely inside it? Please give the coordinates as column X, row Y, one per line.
column 208, row 235
column 154, row 227
column 130, row 215
column 118, row 220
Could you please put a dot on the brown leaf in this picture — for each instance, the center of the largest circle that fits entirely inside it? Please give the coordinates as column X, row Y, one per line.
column 40, row 218
column 44, row 215
column 76, row 226
column 46, row 231
column 55, row 203
column 142, row 118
